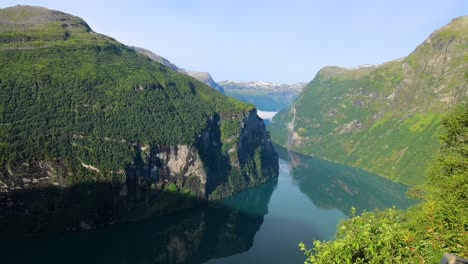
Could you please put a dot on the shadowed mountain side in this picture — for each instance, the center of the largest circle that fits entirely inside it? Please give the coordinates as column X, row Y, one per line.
column 195, row 235
column 49, row 210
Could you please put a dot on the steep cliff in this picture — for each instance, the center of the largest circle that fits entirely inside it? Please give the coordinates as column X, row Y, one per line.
column 383, row 118
column 92, row 132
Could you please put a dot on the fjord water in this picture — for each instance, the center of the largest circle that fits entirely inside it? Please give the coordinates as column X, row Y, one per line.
column 259, row 225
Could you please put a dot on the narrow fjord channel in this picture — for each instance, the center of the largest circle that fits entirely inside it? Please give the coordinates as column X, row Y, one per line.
column 259, row 225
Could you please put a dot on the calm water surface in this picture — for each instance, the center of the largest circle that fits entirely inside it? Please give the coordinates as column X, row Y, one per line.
column 260, row 225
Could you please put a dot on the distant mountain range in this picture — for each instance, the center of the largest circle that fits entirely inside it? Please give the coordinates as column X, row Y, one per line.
column 265, row 96
column 259, row 85
column 384, row 118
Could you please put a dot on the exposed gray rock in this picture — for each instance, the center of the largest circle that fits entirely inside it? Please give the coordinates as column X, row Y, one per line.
column 351, row 126
column 157, row 58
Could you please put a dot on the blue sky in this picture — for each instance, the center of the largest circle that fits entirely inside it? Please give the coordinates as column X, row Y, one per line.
column 279, row 41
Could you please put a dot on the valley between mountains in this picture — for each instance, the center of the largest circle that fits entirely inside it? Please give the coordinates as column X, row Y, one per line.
column 95, row 133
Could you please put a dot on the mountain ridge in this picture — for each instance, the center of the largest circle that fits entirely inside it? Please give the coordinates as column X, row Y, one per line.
column 157, row 58
column 382, row 118
column 232, row 84
column 203, row 77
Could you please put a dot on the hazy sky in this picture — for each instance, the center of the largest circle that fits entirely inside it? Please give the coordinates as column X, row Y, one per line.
column 279, row 41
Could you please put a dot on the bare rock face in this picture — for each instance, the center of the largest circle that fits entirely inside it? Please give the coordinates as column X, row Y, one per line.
column 214, row 167
column 205, row 170
column 351, row 126
column 254, row 146
column 177, row 164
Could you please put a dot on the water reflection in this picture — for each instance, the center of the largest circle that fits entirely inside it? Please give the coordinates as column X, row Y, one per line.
column 192, row 236
column 333, row 185
column 259, row 225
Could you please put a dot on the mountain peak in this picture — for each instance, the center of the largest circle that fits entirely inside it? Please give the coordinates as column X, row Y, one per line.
column 25, row 16
column 458, row 22
column 456, row 28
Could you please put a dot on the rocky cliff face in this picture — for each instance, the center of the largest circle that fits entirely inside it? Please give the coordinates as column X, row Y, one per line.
column 206, row 171
column 160, row 180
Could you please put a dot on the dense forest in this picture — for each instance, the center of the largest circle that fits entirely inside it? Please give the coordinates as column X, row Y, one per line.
column 70, row 95
column 94, row 102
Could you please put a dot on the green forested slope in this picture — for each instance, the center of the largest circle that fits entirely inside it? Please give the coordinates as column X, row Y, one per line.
column 70, row 95
column 423, row 233
column 382, row 118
